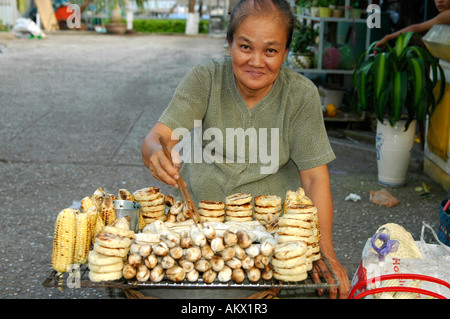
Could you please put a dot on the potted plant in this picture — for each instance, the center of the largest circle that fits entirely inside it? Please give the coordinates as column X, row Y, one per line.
column 303, row 6
column 116, row 25
column 303, row 45
column 356, row 9
column 396, row 83
column 315, row 8
column 337, row 7
column 324, row 8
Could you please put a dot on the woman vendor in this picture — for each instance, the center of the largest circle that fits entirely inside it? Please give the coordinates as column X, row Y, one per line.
column 255, row 125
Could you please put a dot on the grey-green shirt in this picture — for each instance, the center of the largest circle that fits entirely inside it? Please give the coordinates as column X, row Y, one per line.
column 283, row 133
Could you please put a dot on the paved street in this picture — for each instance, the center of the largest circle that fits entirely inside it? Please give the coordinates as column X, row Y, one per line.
column 74, row 109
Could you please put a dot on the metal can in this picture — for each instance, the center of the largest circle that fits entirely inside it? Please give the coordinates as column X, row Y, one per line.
column 129, row 208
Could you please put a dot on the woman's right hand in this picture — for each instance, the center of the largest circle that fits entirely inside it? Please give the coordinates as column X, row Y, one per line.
column 384, row 40
column 156, row 160
column 163, row 169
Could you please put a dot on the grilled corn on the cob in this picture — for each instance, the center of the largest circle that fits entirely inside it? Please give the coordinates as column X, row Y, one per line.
column 113, row 197
column 108, row 210
column 98, row 198
column 141, row 222
column 64, row 240
column 83, row 238
column 93, row 216
column 98, row 226
column 86, row 203
column 125, row 195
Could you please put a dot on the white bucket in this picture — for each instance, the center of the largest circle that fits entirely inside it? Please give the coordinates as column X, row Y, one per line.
column 394, row 147
column 332, row 96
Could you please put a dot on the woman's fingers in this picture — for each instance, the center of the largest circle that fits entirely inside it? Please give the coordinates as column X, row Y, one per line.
column 315, row 277
column 321, row 271
column 163, row 169
column 176, row 159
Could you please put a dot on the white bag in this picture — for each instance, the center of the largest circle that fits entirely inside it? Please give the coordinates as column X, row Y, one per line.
column 25, row 26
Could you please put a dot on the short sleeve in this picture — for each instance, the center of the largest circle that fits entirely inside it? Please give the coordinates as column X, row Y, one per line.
column 308, row 139
column 190, row 100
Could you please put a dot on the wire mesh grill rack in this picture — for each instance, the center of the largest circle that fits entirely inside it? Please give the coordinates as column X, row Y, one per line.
column 78, row 278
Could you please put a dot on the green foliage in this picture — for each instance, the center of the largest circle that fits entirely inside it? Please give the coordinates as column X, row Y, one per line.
column 355, row 4
column 304, row 3
column 303, row 38
column 323, row 3
column 397, row 80
column 166, row 25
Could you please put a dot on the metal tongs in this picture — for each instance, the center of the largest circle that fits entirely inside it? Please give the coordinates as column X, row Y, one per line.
column 183, row 189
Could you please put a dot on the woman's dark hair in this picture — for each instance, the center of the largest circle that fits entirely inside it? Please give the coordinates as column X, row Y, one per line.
column 246, row 8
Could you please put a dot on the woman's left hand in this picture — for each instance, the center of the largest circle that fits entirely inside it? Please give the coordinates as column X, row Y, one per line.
column 320, row 269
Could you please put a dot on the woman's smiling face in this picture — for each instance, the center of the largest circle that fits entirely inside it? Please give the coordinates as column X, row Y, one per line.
column 258, row 51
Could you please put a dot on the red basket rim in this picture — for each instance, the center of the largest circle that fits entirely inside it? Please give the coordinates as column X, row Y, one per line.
column 398, row 276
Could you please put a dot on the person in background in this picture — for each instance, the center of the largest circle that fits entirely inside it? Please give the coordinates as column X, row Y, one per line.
column 443, row 17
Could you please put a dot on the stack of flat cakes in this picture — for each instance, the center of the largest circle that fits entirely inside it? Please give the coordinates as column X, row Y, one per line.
column 289, row 261
column 152, row 204
column 111, row 246
column 211, row 211
column 267, row 208
column 239, row 207
column 300, row 222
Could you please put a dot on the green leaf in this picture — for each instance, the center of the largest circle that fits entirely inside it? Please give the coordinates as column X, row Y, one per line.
column 380, row 73
column 415, row 51
column 394, row 63
column 421, row 108
column 371, row 49
column 361, row 89
column 406, row 38
column 417, row 69
column 380, row 104
column 399, row 45
column 402, row 43
column 398, row 95
column 361, row 83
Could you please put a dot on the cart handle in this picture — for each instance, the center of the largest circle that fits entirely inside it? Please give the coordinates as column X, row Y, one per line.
column 398, row 276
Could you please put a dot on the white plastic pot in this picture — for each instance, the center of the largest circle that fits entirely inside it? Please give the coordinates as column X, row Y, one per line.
column 332, row 96
column 394, row 147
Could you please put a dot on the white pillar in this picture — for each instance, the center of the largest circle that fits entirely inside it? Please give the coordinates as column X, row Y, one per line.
column 130, row 17
column 192, row 22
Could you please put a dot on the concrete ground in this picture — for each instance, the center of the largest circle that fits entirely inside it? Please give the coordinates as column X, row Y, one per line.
column 74, row 109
